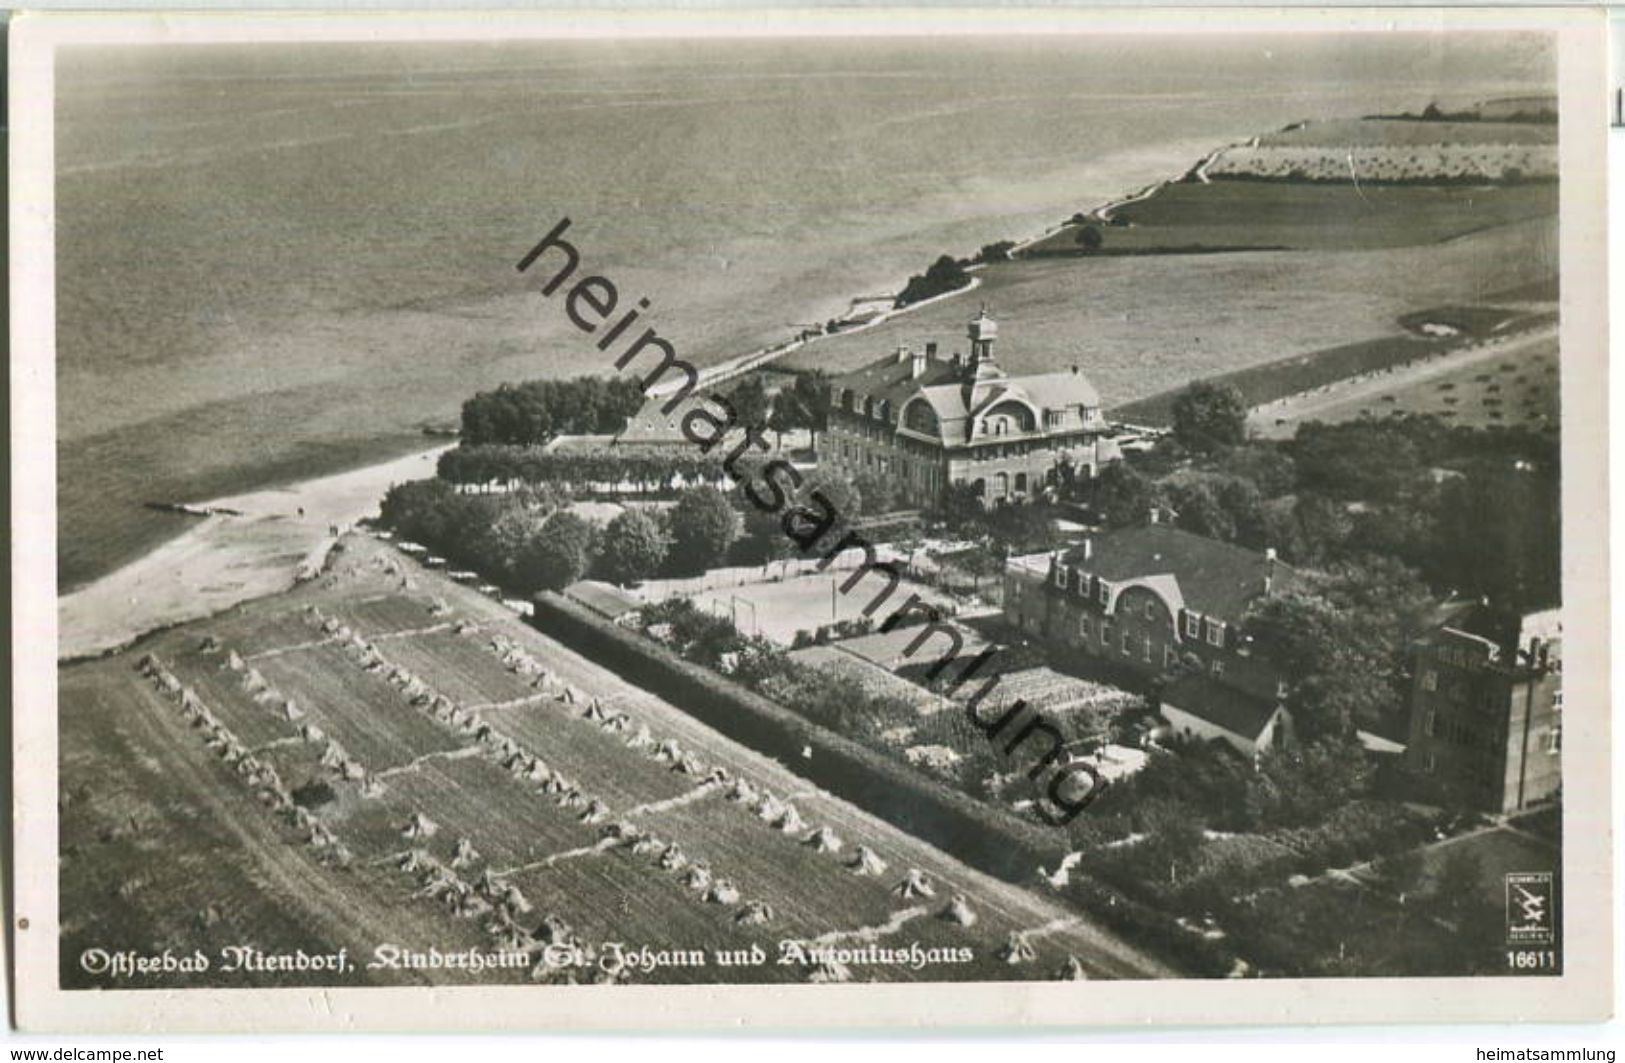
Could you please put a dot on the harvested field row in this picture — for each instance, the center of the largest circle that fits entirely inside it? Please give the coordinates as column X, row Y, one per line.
column 1410, row 164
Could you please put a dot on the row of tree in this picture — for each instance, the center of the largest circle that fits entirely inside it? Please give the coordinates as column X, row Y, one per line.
column 540, row 410
column 650, row 470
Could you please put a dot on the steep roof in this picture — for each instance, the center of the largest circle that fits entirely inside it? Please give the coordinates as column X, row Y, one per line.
column 1216, row 579
column 1223, row 706
column 942, row 384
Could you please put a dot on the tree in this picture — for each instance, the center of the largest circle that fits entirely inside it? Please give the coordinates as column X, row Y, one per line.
column 1089, row 238
column 878, row 493
column 1341, row 640
column 1201, row 511
column 998, row 251
column 812, row 395
column 703, row 527
column 1122, row 496
column 557, row 557
column 786, row 416
column 946, row 274
column 633, row 547
column 960, row 507
column 1209, row 416
column 750, row 402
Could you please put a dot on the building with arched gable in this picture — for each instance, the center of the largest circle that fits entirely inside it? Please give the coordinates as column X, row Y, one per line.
column 925, row 422
column 1167, row 605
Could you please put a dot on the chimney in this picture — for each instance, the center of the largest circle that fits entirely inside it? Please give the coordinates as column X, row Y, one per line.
column 955, row 360
column 917, row 362
column 903, row 354
column 931, row 349
column 1088, row 547
column 1269, row 569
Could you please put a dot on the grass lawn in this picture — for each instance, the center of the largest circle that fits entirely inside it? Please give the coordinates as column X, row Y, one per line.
column 1138, row 325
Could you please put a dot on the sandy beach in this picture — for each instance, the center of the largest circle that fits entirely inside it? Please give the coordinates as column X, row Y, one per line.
column 225, row 559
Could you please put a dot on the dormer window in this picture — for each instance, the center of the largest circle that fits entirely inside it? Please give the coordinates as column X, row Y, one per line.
column 1193, row 626
column 1060, row 576
column 1215, row 633
column 1103, row 593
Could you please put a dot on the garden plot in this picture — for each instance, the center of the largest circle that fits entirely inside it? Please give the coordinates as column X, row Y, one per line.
column 254, row 721
column 508, row 823
column 778, row 610
column 370, row 719
column 462, row 667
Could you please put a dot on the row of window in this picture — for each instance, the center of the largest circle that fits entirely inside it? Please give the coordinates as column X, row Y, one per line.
column 1196, row 626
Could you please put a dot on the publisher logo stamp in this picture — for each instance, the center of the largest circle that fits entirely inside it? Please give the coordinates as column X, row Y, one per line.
column 1529, row 899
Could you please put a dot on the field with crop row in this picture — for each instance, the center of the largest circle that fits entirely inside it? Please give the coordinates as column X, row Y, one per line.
column 1396, row 133
column 406, row 814
column 1508, row 384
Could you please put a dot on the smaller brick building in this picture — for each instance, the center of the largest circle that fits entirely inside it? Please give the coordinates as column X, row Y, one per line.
column 1159, row 602
column 1487, row 706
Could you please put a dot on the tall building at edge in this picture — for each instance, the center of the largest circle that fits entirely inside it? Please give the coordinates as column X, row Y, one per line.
column 1487, row 707
column 926, row 421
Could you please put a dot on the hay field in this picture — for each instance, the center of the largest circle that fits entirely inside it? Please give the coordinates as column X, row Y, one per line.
column 1513, row 384
column 381, row 809
column 1139, row 325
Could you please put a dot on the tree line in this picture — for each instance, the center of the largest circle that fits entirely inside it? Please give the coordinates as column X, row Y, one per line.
column 540, row 410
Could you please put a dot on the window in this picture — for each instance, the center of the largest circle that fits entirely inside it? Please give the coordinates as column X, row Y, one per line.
column 1215, row 633
column 1217, row 667
column 1102, row 592
column 1128, row 636
column 1105, row 632
column 1554, row 740
column 1280, row 688
column 1083, row 583
column 1147, row 653
column 1060, row 576
column 1083, row 628
column 1557, row 701
column 1430, row 680
column 1193, row 626
column 1169, row 656
column 1430, row 723
column 1430, row 763
column 1151, row 609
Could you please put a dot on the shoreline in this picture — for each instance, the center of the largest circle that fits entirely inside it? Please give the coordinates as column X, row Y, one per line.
column 260, row 542
column 281, row 535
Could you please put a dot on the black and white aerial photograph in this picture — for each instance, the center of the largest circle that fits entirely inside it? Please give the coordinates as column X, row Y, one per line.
column 976, row 506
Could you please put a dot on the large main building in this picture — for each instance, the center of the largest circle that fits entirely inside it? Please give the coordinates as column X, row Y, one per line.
column 925, row 422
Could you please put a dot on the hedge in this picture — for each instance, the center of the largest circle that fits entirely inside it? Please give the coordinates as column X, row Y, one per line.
column 985, row 837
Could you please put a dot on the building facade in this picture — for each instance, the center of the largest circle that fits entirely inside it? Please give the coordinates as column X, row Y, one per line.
column 926, row 422
column 1163, row 603
column 1487, row 707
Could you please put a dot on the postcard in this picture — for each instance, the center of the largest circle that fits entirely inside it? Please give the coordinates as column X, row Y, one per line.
column 879, row 518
